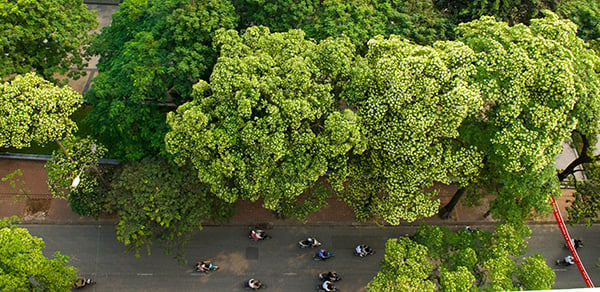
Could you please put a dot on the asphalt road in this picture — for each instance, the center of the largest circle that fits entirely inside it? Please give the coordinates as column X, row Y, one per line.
column 278, row 262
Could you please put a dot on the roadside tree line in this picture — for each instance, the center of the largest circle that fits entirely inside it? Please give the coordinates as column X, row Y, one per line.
column 210, row 102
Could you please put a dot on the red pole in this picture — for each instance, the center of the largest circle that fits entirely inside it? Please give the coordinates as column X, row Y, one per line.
column 565, row 233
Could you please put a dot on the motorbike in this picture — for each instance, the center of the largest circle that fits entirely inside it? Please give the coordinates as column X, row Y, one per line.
column 365, row 251
column 325, row 276
column 577, row 243
column 211, row 267
column 260, row 286
column 333, row 288
column 564, row 262
column 322, row 255
column 309, row 242
column 83, row 282
column 258, row 234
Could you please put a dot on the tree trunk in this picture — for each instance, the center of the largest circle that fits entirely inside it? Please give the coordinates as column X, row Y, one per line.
column 447, row 210
column 64, row 150
column 583, row 158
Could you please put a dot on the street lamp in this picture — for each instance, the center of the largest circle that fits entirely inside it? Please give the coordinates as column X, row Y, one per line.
column 77, row 179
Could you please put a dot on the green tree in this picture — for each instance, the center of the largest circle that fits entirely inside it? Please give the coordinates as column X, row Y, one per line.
column 150, row 56
column 539, row 84
column 405, row 267
column 45, row 36
column 586, row 14
column 471, row 260
column 511, row 11
column 586, row 202
column 360, row 20
column 457, row 281
column 79, row 161
column 34, row 110
column 411, row 100
column 157, row 200
column 268, row 126
column 23, row 266
column 534, row 274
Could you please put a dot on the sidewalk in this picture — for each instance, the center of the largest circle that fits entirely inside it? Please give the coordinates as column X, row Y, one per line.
column 32, row 202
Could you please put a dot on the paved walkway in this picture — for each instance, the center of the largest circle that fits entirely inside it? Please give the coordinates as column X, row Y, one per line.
column 30, row 199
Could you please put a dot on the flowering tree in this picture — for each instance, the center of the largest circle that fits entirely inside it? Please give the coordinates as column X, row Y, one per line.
column 411, row 100
column 35, row 110
column 25, row 268
column 267, row 126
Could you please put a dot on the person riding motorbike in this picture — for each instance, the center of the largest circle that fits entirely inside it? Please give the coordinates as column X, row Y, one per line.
column 254, row 284
column 327, row 286
column 81, row 282
column 331, row 276
column 203, row 266
column 568, row 260
column 363, row 250
column 577, row 243
column 323, row 253
column 310, row 242
column 258, row 234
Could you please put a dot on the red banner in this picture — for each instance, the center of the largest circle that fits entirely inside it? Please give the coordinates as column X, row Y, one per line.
column 565, row 233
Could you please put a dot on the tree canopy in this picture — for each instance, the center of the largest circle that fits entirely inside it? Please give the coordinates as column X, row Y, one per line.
column 23, row 266
column 79, row 159
column 410, row 99
column 158, row 200
column 586, row 14
column 267, row 126
column 404, row 268
column 538, row 83
column 35, row 110
column 150, row 56
column 436, row 258
column 359, row 20
column 45, row 36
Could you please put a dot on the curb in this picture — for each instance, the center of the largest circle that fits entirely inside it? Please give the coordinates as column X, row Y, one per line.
column 290, row 224
column 103, row 2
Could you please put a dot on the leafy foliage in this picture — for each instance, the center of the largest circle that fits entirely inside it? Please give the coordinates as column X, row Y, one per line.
column 25, row 268
column 155, row 199
column 511, row 11
column 80, row 160
column 150, row 56
column 45, row 36
column 404, row 268
column 267, row 125
column 538, row 84
column 359, row 20
column 534, row 274
column 468, row 260
column 457, row 281
column 34, row 110
column 411, row 100
column 586, row 15
column 586, row 203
